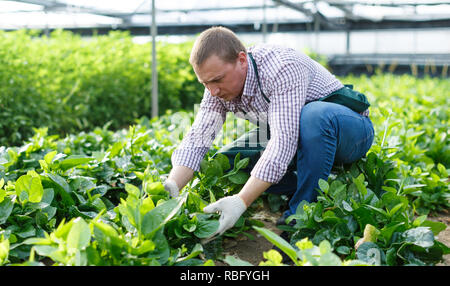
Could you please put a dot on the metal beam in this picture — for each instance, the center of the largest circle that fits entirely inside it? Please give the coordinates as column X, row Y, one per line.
column 318, row 18
column 416, row 64
column 154, row 63
column 192, row 29
column 44, row 3
column 386, row 3
column 296, row 6
column 61, row 6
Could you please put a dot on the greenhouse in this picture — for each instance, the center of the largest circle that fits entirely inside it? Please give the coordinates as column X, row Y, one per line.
column 225, row 133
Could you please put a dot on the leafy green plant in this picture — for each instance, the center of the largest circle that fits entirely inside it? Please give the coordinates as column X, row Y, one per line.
column 68, row 84
column 367, row 211
column 305, row 253
column 343, row 213
column 109, row 180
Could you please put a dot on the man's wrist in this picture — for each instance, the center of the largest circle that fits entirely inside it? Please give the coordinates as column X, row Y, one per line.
column 245, row 199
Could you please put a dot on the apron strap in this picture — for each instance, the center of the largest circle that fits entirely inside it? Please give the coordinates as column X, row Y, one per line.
column 257, row 77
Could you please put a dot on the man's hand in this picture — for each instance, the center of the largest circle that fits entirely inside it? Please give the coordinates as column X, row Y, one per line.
column 172, row 188
column 231, row 209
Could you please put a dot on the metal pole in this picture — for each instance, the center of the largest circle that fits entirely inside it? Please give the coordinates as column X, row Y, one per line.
column 154, row 64
column 264, row 26
column 347, row 48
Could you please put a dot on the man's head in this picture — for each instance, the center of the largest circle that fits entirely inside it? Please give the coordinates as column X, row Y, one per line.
column 219, row 60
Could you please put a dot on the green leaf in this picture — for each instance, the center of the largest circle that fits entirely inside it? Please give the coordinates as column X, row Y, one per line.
column 324, row 186
column 388, row 230
column 239, row 178
column 445, row 248
column 30, row 184
column 108, row 237
column 26, row 231
column 133, row 190
column 392, row 201
column 346, row 206
column 233, row 261
column 206, row 228
column 161, row 214
column 359, row 182
column 60, row 185
column 146, row 246
column 345, row 250
column 389, row 189
column 212, row 169
column 189, row 227
column 279, row 242
column 198, row 248
column 324, row 246
column 384, row 111
column 420, row 236
column 45, row 250
column 418, row 221
column 435, row 226
column 6, row 207
column 115, row 149
column 223, row 161
column 329, row 259
column 49, row 157
column 155, row 188
column 241, row 164
column 73, row 161
column 79, row 236
column 371, row 253
column 391, row 256
column 63, row 229
column 442, row 170
column 4, row 250
column 395, row 209
column 364, row 216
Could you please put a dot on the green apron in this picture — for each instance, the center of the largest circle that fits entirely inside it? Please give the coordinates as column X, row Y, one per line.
column 345, row 96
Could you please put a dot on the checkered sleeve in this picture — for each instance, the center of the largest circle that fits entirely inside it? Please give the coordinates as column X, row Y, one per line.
column 288, row 98
column 207, row 124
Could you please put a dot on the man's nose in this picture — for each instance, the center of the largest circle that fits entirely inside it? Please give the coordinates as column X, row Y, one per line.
column 214, row 90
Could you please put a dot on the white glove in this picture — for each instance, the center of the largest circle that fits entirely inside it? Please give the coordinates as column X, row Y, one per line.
column 231, row 209
column 172, row 188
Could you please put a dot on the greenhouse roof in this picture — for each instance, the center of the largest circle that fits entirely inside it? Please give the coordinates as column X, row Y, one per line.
column 51, row 14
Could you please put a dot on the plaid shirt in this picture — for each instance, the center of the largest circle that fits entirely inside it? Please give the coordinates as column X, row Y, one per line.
column 290, row 79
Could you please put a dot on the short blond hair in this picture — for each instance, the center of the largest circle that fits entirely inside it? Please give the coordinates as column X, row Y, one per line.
column 219, row 41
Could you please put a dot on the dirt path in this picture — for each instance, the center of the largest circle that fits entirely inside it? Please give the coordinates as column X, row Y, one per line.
column 252, row 250
column 444, row 236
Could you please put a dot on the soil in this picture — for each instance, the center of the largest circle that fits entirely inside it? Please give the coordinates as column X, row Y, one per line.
column 252, row 250
column 444, row 236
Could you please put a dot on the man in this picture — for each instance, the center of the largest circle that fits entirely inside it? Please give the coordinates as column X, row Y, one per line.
column 279, row 87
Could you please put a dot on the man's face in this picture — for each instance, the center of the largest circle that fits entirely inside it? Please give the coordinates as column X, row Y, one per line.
column 224, row 80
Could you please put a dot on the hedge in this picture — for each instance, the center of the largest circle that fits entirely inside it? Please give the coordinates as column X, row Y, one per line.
column 70, row 84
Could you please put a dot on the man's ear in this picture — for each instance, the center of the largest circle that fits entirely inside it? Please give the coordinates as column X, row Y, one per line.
column 242, row 58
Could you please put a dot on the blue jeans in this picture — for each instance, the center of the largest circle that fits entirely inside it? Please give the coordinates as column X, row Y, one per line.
column 330, row 134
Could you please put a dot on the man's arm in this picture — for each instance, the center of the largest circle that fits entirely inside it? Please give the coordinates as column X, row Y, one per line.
column 188, row 155
column 181, row 175
column 253, row 189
